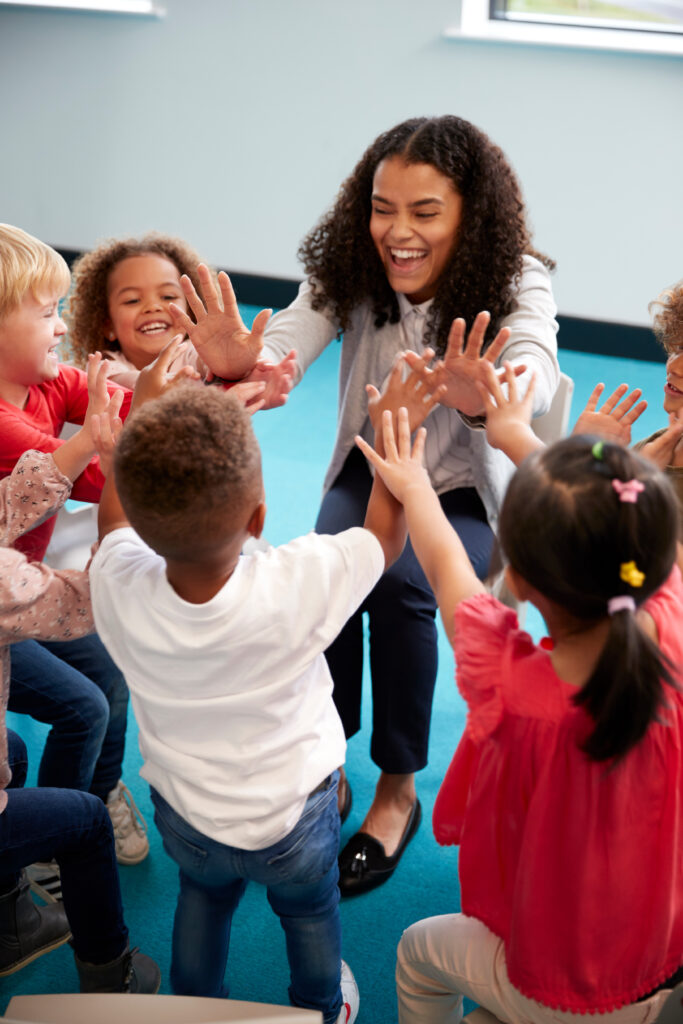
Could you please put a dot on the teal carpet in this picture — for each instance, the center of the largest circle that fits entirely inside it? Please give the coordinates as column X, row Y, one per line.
column 297, row 441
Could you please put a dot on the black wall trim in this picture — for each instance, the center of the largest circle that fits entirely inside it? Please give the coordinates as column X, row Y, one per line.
column 601, row 337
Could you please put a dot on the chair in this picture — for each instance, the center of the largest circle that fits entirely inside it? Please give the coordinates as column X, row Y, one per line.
column 553, row 425
column 672, row 1007
column 105, row 1008
column 74, row 534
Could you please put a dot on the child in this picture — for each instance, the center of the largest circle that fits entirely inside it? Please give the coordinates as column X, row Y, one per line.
column 224, row 659
column 564, row 793
column 665, row 446
column 120, row 304
column 41, row 824
column 74, row 685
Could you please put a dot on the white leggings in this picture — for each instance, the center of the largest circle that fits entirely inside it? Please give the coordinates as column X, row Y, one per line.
column 442, row 959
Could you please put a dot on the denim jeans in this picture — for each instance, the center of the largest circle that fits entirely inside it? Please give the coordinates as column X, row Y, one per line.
column 75, row 687
column 300, row 874
column 74, row 829
column 403, row 638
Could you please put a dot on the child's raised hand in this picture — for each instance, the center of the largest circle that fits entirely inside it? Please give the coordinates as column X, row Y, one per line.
column 278, row 379
column 418, row 393
column 98, row 394
column 153, row 380
column 662, row 450
column 220, row 337
column 105, row 428
column 403, row 466
column 505, row 413
column 613, row 421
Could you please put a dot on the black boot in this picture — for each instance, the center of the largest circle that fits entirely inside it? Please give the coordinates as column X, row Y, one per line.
column 131, row 972
column 27, row 930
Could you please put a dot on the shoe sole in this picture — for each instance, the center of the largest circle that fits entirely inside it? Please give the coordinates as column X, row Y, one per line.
column 123, row 859
column 55, row 944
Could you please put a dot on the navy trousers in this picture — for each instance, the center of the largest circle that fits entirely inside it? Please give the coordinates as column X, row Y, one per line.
column 403, row 639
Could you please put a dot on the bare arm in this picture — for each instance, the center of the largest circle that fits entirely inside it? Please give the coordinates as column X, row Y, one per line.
column 437, row 546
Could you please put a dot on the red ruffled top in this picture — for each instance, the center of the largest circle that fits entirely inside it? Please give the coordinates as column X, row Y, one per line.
column 579, row 869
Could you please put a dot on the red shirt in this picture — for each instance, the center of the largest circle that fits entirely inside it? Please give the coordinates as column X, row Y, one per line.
column 578, row 869
column 37, row 426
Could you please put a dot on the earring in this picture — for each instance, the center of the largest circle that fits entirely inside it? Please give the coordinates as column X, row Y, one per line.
column 112, row 336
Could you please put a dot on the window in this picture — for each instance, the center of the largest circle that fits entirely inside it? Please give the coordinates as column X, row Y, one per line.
column 644, row 26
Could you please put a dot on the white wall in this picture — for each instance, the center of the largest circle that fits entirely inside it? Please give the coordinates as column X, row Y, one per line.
column 232, row 123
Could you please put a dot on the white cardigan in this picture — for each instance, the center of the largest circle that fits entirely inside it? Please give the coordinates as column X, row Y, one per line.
column 532, row 342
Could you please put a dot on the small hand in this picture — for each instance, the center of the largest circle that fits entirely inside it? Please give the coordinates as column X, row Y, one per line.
column 219, row 335
column 418, row 393
column 153, row 379
column 614, row 420
column 105, row 428
column 402, row 467
column 463, row 364
column 505, row 416
column 278, row 379
column 249, row 394
column 100, row 399
column 662, row 450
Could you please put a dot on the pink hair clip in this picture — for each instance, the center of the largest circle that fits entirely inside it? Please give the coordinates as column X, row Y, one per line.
column 628, row 490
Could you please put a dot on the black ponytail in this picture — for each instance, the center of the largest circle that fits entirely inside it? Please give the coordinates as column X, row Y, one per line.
column 566, row 531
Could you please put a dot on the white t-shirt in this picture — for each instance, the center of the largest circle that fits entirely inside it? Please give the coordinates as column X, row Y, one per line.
column 233, row 697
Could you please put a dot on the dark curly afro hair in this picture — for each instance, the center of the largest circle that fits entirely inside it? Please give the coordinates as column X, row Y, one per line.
column 88, row 309
column 493, row 236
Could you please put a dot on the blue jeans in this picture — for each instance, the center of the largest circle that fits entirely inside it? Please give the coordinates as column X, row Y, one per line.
column 300, row 874
column 74, row 829
column 403, row 638
column 75, row 687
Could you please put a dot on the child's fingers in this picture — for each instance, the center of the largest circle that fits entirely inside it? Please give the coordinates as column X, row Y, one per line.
column 491, row 383
column 193, row 300
column 369, row 452
column 633, row 412
column 403, row 433
column 389, row 436
column 517, row 370
column 610, row 402
column 168, row 353
column 511, row 382
column 627, row 403
column 594, row 397
column 419, row 445
column 180, row 318
column 115, row 402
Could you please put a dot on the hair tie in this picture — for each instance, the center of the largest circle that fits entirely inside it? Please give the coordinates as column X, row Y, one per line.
column 631, row 574
column 597, row 450
column 628, row 490
column 622, row 603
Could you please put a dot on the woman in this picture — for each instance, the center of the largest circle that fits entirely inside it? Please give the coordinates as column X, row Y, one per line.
column 430, row 226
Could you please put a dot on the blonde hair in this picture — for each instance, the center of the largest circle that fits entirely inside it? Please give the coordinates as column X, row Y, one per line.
column 28, row 265
column 668, row 318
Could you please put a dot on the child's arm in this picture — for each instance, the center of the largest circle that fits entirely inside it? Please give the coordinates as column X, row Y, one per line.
column 437, row 546
column 384, row 516
column 72, row 457
column 614, row 420
column 508, row 418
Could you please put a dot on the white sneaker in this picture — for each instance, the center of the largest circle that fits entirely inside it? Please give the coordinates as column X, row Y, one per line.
column 350, row 997
column 45, row 880
column 130, row 829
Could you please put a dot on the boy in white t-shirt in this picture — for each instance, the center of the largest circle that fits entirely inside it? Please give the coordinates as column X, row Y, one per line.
column 223, row 655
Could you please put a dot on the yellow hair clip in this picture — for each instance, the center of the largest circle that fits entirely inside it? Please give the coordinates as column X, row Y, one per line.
column 631, row 574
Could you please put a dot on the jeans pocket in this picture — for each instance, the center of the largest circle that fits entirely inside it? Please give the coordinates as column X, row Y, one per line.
column 311, row 848
column 182, row 848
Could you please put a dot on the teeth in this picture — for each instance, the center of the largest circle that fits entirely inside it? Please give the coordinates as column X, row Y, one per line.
column 408, row 254
column 158, row 325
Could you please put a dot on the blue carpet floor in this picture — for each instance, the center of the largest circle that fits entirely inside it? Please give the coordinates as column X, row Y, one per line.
column 297, row 441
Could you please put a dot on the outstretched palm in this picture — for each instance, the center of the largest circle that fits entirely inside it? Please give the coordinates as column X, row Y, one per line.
column 463, row 366
column 219, row 335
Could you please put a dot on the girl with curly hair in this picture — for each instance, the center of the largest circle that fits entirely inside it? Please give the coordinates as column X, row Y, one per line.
column 119, row 305
column 427, row 233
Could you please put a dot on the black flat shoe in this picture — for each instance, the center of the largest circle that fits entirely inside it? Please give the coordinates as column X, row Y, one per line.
column 363, row 864
column 345, row 808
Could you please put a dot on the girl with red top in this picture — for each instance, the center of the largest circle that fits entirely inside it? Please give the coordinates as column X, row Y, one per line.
column 565, row 792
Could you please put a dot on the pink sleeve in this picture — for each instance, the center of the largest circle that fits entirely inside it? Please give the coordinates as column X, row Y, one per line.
column 40, row 603
column 34, row 490
column 482, row 628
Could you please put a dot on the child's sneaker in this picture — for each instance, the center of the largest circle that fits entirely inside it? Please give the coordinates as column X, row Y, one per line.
column 45, row 880
column 350, row 997
column 130, row 830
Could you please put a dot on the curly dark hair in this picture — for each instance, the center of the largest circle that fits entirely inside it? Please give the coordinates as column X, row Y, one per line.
column 88, row 308
column 188, row 470
column 486, row 261
column 668, row 318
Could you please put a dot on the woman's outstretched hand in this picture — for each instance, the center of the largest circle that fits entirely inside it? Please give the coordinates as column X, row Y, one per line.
column 418, row 393
column 219, row 335
column 463, row 366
